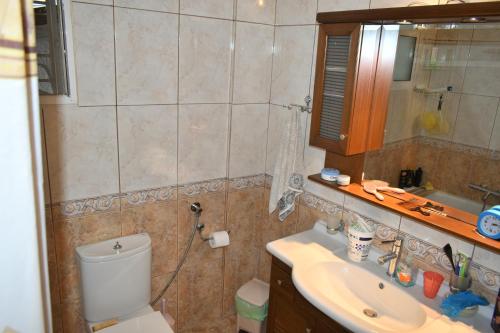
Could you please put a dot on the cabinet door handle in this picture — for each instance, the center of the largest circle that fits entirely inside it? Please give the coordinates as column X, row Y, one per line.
column 308, row 330
column 342, row 137
column 279, row 282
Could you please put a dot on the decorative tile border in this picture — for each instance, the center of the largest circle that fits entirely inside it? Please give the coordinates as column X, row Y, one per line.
column 324, row 206
column 137, row 198
column 214, row 185
column 247, row 182
column 81, row 207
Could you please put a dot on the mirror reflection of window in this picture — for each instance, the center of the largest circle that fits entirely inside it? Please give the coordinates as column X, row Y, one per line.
column 404, row 58
column 51, row 48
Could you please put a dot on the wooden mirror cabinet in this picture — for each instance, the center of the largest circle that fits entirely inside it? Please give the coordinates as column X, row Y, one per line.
column 354, row 73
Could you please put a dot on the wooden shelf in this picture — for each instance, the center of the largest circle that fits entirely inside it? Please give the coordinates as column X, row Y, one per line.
column 465, row 230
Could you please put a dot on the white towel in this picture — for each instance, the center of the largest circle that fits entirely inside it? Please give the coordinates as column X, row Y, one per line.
column 287, row 182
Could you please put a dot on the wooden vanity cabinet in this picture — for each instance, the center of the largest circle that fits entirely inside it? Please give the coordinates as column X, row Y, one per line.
column 353, row 77
column 289, row 311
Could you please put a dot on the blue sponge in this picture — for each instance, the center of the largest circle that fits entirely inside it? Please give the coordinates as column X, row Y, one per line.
column 455, row 303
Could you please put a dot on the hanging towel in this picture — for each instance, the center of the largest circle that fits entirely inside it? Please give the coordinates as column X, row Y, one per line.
column 287, row 182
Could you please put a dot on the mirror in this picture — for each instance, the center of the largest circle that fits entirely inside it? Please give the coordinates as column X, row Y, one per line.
column 442, row 134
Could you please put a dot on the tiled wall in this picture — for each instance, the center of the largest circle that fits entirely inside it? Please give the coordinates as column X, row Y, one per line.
column 180, row 101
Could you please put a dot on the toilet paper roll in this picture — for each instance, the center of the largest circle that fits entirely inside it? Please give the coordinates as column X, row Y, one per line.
column 219, row 239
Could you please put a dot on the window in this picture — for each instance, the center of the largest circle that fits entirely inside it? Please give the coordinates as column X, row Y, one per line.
column 54, row 51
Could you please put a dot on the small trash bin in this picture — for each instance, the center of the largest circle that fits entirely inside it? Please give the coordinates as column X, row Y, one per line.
column 251, row 305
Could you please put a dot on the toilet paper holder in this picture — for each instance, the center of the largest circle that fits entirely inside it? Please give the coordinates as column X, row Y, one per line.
column 200, row 228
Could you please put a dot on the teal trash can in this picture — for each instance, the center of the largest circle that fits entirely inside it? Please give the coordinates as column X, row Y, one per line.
column 252, row 302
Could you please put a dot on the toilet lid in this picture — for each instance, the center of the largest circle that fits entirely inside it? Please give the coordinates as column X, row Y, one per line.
column 151, row 323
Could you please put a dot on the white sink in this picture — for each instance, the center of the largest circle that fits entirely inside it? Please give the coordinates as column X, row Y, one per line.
column 379, row 304
column 350, row 293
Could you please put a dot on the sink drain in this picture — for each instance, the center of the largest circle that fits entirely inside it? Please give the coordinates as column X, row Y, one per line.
column 370, row 313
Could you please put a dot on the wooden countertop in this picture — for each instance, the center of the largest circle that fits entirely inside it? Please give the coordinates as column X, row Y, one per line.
column 466, row 228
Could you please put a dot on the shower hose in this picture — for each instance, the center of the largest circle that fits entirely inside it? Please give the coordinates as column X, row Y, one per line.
column 196, row 208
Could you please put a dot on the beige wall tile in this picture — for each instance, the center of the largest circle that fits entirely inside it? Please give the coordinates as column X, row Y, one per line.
column 94, row 54
column 202, row 142
column 171, row 6
column 248, row 139
column 200, row 295
column 482, row 76
column 160, row 222
column 293, row 12
column 380, row 215
column 253, row 60
column 476, row 115
column 82, row 151
column 495, row 135
column 292, row 64
column 256, row 11
column 146, row 57
column 213, row 217
column 210, row 8
column 205, row 60
column 171, row 295
column 340, row 5
column 148, row 146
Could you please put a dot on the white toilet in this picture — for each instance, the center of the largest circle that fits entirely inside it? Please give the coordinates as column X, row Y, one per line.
column 115, row 278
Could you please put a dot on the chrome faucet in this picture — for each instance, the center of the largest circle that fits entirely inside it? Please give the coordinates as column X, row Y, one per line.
column 393, row 256
column 487, row 193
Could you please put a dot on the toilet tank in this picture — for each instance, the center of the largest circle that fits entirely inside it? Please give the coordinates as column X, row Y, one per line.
column 115, row 276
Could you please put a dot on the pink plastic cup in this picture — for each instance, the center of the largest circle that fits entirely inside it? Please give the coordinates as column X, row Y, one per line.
column 432, row 283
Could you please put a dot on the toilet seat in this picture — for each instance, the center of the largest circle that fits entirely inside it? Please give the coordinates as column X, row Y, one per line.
column 151, row 323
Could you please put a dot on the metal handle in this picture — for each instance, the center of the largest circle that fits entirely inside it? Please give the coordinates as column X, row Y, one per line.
column 342, row 137
column 117, row 246
column 279, row 282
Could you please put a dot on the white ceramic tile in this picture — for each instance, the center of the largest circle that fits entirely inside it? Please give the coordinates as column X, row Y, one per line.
column 278, row 117
column 202, row 142
column 146, row 57
column 455, row 55
column 475, row 119
column 400, row 3
column 325, row 192
column 253, row 63
column 147, row 146
column 94, row 54
column 290, row 12
column 210, row 8
column 248, row 140
column 340, row 5
column 261, row 11
column 292, row 64
column 482, row 76
column 486, row 258
column 171, row 6
column 373, row 212
column 205, row 60
column 82, row 151
column 98, row 2
column 495, row 136
column 435, row 237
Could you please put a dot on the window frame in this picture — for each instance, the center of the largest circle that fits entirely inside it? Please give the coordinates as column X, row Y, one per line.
column 72, row 98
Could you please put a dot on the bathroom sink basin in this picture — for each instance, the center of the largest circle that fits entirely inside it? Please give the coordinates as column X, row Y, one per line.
column 352, row 292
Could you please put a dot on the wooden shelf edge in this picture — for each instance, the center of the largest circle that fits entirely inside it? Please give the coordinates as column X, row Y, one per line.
column 465, row 230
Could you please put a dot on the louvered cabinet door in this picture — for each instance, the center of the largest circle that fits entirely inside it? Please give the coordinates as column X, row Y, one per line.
column 336, row 63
